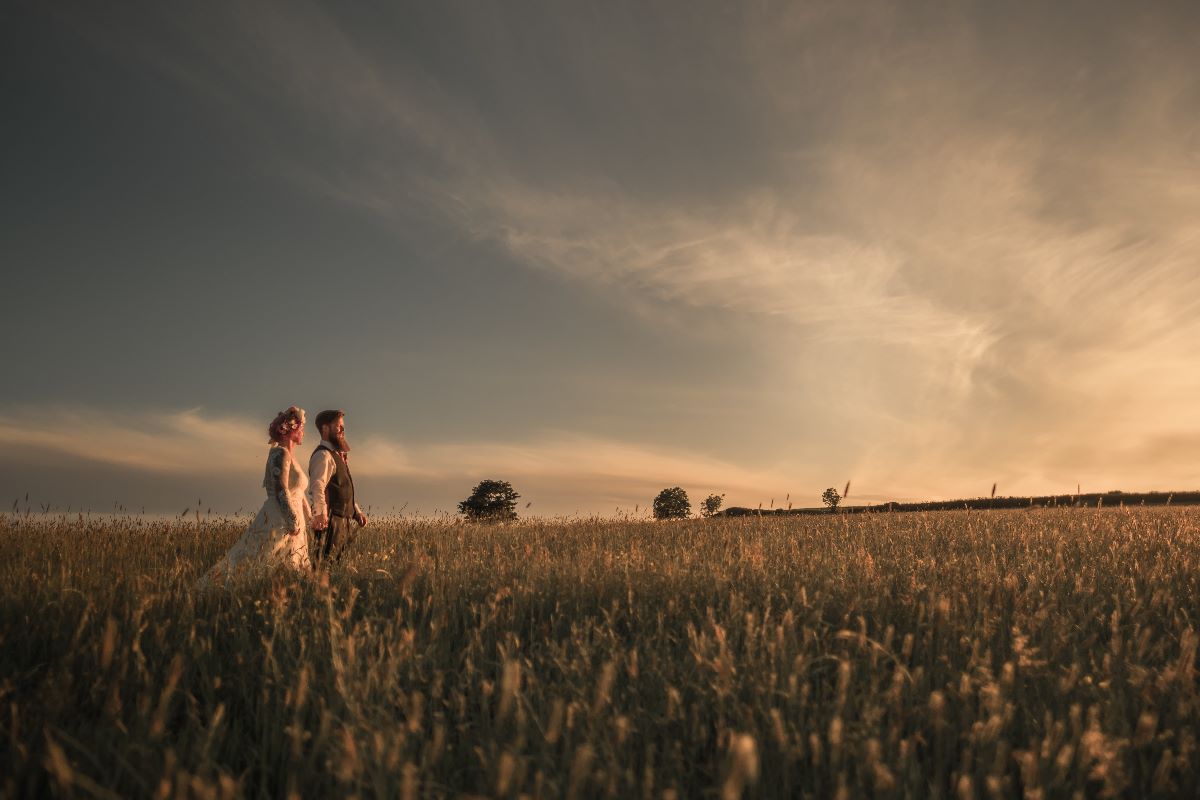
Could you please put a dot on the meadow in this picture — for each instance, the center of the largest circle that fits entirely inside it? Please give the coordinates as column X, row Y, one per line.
column 1038, row 654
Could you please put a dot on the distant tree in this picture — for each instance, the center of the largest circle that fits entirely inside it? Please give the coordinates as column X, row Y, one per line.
column 712, row 504
column 672, row 504
column 831, row 498
column 491, row 501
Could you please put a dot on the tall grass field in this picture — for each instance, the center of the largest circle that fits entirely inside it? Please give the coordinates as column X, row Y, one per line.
column 1007, row 654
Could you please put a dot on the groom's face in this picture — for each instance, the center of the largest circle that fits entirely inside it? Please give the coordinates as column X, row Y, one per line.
column 335, row 433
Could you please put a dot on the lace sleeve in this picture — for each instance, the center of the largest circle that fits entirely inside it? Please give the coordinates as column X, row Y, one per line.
column 275, row 482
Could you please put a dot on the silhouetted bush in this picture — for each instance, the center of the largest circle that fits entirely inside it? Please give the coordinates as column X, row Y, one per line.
column 672, row 504
column 491, row 501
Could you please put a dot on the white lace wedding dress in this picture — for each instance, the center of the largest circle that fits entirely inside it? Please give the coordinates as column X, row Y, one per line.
column 268, row 541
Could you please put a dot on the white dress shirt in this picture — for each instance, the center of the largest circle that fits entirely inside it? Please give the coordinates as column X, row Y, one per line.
column 320, row 469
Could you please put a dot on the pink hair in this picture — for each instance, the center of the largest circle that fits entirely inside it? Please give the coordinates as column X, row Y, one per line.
column 284, row 424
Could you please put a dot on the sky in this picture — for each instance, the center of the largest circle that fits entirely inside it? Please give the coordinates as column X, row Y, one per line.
column 754, row 249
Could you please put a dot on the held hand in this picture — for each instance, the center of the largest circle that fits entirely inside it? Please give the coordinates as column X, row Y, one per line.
column 297, row 532
column 361, row 519
column 320, row 522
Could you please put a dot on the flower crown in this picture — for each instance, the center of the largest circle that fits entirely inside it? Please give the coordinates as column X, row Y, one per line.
column 286, row 423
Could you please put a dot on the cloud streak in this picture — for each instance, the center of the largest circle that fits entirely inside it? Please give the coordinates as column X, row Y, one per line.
column 559, row 471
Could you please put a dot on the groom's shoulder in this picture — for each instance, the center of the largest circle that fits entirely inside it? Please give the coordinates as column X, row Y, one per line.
column 320, row 451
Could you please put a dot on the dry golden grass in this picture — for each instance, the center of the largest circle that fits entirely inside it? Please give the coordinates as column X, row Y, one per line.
column 1002, row 654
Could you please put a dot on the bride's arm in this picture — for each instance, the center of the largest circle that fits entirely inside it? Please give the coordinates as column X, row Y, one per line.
column 278, row 464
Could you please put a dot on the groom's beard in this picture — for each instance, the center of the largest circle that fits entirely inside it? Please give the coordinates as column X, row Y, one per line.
column 341, row 443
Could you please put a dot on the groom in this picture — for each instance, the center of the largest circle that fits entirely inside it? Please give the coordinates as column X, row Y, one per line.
column 331, row 490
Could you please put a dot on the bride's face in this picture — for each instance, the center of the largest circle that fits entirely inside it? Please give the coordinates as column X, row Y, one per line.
column 298, row 436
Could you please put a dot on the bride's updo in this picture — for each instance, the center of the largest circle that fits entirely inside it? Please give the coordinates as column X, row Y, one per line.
column 285, row 424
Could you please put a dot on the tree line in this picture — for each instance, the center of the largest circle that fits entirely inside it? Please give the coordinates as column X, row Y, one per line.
column 496, row 501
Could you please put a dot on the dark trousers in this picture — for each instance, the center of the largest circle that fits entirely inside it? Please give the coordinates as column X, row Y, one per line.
column 329, row 543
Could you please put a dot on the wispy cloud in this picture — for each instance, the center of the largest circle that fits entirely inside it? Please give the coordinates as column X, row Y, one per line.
column 172, row 442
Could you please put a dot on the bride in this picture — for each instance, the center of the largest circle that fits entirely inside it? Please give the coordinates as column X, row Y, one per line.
column 277, row 535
